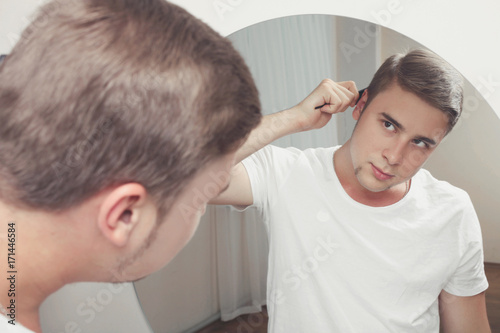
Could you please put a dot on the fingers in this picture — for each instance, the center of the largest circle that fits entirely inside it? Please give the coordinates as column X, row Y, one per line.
column 338, row 100
column 351, row 87
column 337, row 97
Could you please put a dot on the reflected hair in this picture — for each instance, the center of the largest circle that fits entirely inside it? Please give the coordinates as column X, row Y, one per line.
column 426, row 75
column 98, row 93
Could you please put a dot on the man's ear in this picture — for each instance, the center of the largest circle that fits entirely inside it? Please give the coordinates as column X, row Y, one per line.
column 121, row 211
column 356, row 114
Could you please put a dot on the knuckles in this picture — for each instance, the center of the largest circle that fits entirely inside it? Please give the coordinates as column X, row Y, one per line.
column 338, row 102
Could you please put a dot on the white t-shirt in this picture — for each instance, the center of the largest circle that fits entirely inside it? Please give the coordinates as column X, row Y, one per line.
column 6, row 327
column 336, row 265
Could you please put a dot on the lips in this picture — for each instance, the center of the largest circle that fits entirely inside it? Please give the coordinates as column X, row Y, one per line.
column 379, row 174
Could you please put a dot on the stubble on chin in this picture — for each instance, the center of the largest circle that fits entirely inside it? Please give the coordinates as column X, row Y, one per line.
column 357, row 170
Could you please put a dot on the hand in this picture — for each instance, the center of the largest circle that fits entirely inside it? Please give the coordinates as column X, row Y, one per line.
column 336, row 97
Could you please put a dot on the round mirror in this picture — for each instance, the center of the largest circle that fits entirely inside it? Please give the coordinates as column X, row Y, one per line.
column 223, row 269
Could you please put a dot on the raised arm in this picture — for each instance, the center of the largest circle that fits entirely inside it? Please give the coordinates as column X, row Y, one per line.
column 333, row 97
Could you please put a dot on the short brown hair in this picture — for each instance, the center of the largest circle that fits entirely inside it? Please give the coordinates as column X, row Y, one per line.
column 98, row 93
column 426, row 75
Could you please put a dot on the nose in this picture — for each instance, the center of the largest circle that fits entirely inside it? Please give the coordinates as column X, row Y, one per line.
column 394, row 154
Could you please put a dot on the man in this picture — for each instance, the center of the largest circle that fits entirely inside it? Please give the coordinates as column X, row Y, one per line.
column 361, row 238
column 113, row 114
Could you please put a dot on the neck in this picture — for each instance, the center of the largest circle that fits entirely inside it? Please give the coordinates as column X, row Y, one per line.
column 37, row 254
column 347, row 177
column 21, row 295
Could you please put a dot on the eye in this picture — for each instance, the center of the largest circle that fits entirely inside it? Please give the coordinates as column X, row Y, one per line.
column 420, row 143
column 388, row 125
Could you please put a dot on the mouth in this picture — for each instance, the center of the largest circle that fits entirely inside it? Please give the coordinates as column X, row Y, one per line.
column 379, row 174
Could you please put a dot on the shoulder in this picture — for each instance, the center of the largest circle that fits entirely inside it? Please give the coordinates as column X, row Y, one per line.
column 447, row 205
column 290, row 155
column 440, row 190
column 319, row 153
column 296, row 151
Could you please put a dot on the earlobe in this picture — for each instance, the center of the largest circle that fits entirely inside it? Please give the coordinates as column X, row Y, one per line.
column 120, row 212
column 356, row 114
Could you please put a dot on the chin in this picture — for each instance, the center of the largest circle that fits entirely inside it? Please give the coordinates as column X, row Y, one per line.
column 133, row 270
column 376, row 188
column 136, row 276
column 139, row 279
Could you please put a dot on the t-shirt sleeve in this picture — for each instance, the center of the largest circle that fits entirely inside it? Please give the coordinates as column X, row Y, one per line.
column 267, row 170
column 469, row 278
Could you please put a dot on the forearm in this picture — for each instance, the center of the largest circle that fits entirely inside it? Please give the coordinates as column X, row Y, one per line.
column 271, row 128
column 314, row 112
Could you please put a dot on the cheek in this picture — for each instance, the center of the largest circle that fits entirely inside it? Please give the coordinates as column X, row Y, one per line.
column 177, row 232
column 368, row 146
column 362, row 137
column 371, row 134
column 413, row 161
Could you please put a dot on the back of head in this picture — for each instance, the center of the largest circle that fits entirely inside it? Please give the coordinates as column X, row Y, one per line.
column 97, row 93
column 426, row 75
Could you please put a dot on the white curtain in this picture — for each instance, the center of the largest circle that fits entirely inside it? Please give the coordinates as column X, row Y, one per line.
column 288, row 58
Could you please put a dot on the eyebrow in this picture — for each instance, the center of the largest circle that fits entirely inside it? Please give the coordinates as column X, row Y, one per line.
column 402, row 128
column 425, row 139
column 394, row 121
